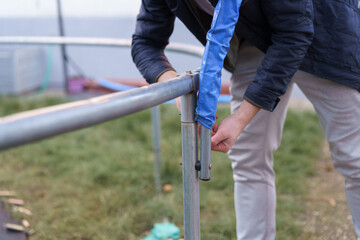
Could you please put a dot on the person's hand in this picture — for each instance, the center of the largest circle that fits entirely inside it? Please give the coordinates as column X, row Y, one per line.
column 166, row 76
column 226, row 134
column 230, row 129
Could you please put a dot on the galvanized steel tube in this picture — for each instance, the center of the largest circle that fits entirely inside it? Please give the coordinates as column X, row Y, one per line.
column 156, row 122
column 190, row 175
column 205, row 153
column 38, row 124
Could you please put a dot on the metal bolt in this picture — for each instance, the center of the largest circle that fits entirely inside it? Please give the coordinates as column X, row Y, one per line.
column 197, row 165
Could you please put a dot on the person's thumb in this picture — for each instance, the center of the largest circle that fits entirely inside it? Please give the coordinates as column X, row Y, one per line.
column 217, row 138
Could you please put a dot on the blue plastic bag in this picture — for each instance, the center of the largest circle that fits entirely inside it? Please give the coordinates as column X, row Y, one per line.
column 163, row 231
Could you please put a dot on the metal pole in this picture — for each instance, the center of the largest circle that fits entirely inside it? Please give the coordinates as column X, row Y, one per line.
column 101, row 42
column 38, row 124
column 190, row 175
column 205, row 153
column 156, row 147
column 63, row 47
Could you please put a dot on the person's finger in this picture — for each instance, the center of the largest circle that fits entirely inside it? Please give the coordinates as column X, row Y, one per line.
column 217, row 137
column 220, row 147
column 216, row 148
column 199, row 130
column 216, row 126
column 178, row 104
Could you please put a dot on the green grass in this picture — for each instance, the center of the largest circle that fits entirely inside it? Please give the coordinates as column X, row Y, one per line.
column 97, row 183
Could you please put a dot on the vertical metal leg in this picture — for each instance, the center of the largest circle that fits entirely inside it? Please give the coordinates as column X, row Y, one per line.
column 205, row 153
column 156, row 147
column 190, row 175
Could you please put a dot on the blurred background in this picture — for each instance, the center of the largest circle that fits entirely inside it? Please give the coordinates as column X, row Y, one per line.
column 81, row 18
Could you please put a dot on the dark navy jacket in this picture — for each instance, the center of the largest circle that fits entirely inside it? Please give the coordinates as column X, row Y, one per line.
column 317, row 36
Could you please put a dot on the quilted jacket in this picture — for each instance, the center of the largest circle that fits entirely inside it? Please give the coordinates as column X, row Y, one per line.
column 316, row 36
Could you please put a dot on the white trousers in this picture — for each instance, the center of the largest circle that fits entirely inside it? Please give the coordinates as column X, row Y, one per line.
column 338, row 108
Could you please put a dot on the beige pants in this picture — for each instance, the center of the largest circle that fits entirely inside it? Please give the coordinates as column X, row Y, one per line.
column 338, row 108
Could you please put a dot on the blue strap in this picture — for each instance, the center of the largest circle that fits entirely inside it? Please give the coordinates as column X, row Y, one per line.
column 225, row 17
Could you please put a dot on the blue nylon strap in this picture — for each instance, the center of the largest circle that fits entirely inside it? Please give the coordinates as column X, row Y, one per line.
column 225, row 17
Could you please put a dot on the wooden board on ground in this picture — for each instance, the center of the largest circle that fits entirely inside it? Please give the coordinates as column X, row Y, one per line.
column 5, row 234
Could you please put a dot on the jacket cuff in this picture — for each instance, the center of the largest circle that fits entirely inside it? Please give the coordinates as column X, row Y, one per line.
column 166, row 70
column 261, row 98
column 153, row 73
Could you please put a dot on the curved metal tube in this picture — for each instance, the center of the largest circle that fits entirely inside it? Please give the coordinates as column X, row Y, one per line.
column 105, row 42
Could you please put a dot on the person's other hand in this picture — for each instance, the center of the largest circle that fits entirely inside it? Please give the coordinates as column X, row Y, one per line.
column 166, row 76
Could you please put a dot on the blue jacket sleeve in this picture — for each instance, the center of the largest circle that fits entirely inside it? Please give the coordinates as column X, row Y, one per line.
column 292, row 26
column 154, row 26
